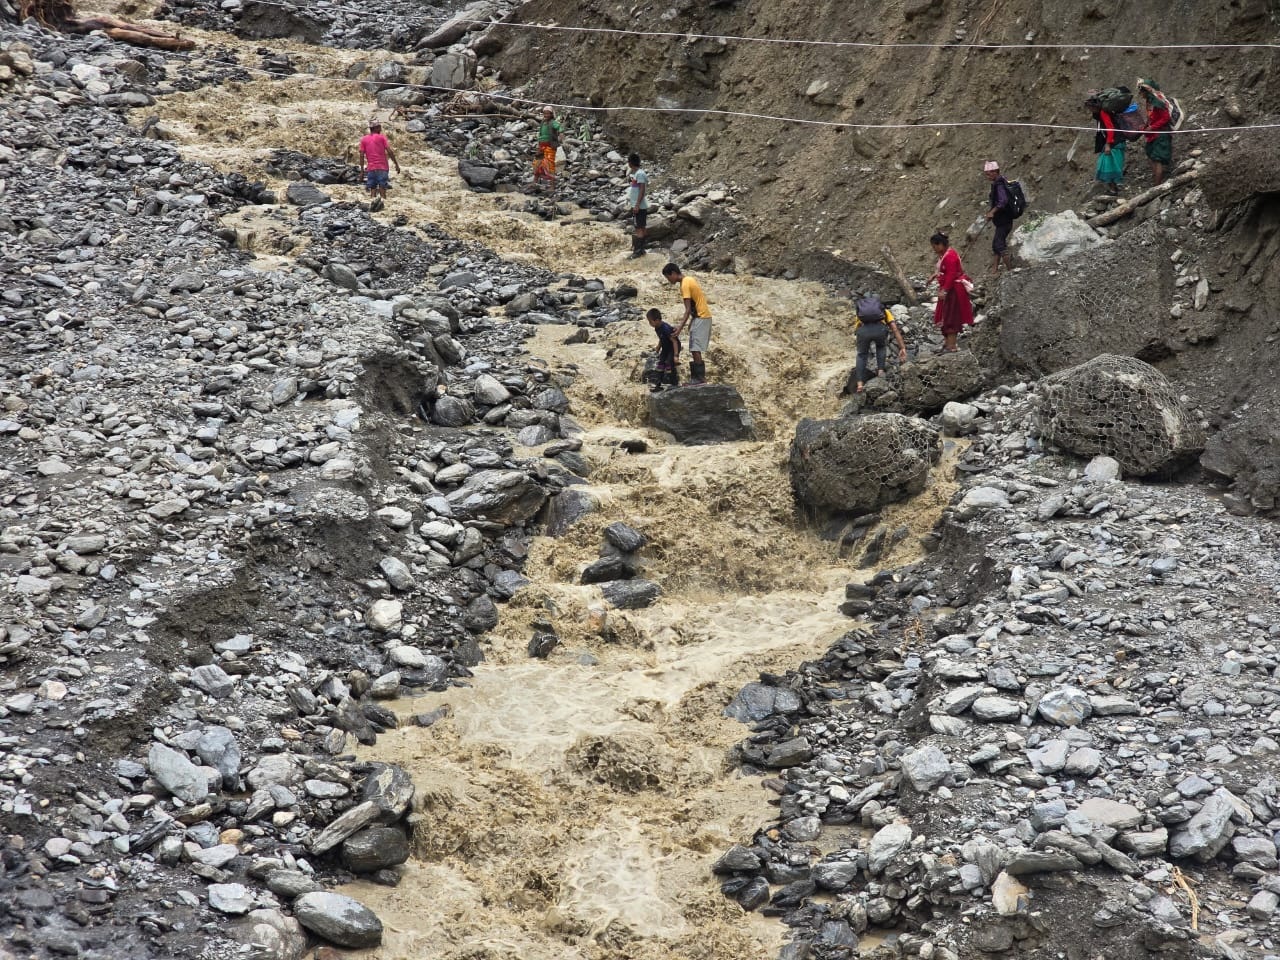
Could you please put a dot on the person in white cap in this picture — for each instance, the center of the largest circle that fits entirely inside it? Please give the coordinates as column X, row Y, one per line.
column 1001, row 214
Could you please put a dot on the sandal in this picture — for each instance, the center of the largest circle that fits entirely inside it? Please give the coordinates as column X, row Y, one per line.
column 858, row 389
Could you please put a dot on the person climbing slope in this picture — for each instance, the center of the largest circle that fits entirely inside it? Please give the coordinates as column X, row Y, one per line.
column 1001, row 215
column 872, row 326
column 1157, row 122
column 638, row 201
column 668, row 352
column 954, row 311
column 1109, row 147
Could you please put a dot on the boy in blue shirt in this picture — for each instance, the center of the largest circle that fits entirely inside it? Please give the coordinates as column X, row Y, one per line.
column 668, row 350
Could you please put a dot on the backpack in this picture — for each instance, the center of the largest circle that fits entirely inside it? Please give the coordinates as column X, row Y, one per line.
column 870, row 309
column 1017, row 199
column 1115, row 100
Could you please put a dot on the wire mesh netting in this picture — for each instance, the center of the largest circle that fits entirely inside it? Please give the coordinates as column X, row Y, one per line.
column 1119, row 407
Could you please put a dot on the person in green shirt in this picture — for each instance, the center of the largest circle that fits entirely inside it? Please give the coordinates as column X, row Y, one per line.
column 544, row 167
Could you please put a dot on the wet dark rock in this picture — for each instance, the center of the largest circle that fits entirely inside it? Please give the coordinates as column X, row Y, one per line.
column 509, row 497
column 306, row 195
column 615, row 567
column 477, row 175
column 756, row 701
column 375, row 848
column 626, row 539
column 631, row 594
column 710, row 413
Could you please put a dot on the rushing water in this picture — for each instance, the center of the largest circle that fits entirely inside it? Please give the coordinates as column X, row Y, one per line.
column 571, row 808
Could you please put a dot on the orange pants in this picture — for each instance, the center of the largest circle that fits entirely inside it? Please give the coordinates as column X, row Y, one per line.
column 545, row 166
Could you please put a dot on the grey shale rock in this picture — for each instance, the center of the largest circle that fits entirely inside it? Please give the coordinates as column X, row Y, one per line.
column 173, row 771
column 338, row 919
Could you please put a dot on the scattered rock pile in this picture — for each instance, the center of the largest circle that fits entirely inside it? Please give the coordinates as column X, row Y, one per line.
column 1048, row 727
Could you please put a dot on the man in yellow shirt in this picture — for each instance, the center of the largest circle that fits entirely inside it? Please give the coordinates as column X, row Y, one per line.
column 697, row 316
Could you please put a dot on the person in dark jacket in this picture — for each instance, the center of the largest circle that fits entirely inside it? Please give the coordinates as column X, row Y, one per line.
column 1000, row 214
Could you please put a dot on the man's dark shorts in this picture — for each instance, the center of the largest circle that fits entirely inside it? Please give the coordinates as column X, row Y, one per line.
column 642, row 219
column 1001, row 241
column 377, row 178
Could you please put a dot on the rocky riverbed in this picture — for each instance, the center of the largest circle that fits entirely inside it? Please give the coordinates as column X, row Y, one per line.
column 352, row 599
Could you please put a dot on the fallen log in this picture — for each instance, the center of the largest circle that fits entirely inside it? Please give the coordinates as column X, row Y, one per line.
column 59, row 15
column 1142, row 199
column 907, row 290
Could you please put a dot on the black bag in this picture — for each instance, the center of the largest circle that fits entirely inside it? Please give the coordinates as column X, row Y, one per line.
column 1017, row 199
column 870, row 309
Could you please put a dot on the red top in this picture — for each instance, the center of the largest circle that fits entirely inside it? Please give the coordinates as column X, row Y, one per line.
column 374, row 147
column 1158, row 118
column 1108, row 125
column 949, row 270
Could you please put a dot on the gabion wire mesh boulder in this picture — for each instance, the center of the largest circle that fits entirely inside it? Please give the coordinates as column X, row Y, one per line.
column 855, row 465
column 1120, row 407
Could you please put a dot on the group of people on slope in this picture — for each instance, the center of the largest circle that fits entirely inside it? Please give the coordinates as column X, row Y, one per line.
column 1109, row 141
column 873, row 326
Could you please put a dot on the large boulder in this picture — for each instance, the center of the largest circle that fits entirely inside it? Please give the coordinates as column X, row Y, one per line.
column 708, row 413
column 454, row 71
column 509, row 497
column 854, row 465
column 1112, row 298
column 926, row 385
column 1119, row 407
column 1054, row 238
column 271, row 21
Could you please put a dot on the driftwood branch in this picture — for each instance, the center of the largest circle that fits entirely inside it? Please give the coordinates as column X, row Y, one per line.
column 59, row 15
column 907, row 290
column 1133, row 203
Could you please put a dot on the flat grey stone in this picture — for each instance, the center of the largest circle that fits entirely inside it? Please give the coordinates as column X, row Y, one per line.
column 338, row 919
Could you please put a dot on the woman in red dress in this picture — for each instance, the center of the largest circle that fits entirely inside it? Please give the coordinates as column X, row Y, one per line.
column 954, row 310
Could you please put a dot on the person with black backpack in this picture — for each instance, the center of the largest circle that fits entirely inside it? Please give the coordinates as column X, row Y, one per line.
column 1108, row 144
column 872, row 326
column 1005, row 208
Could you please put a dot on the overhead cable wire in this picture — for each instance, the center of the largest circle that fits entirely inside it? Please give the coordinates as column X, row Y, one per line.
column 715, row 112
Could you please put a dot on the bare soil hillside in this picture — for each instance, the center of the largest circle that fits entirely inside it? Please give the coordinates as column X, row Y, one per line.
column 806, row 187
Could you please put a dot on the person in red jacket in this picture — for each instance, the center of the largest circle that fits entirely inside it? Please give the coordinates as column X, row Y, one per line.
column 1159, row 121
column 1108, row 146
column 954, row 310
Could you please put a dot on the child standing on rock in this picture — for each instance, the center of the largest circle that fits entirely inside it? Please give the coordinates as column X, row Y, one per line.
column 668, row 350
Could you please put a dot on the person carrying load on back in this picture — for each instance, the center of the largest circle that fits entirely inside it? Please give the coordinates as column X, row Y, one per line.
column 872, row 325
column 1002, row 213
column 1158, row 121
column 544, row 167
column 1106, row 106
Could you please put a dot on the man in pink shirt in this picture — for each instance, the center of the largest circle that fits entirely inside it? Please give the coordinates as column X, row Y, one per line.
column 374, row 152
